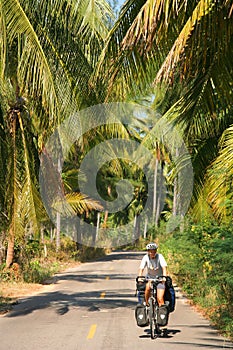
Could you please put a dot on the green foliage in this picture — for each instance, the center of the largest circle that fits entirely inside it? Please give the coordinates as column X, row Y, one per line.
column 38, row 272
column 12, row 274
column 89, row 253
column 35, row 262
column 201, row 260
column 67, row 251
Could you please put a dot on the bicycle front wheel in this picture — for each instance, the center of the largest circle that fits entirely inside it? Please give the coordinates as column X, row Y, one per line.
column 152, row 319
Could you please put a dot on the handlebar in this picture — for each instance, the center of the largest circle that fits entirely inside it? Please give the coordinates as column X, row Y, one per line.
column 157, row 279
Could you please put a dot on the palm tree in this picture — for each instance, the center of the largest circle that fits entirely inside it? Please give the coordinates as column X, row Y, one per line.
column 25, row 205
column 42, row 84
column 187, row 48
column 218, row 183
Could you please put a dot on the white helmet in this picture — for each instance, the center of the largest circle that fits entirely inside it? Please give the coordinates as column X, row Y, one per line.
column 151, row 246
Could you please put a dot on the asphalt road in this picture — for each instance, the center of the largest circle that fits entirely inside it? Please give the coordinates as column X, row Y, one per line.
column 92, row 307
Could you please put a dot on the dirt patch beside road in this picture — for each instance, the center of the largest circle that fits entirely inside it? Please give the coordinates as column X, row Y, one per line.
column 10, row 292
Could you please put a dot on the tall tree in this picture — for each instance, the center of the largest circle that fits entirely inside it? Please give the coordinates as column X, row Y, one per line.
column 41, row 85
column 186, row 46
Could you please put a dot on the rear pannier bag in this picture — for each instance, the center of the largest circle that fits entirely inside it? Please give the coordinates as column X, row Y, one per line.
column 141, row 315
column 170, row 295
column 162, row 315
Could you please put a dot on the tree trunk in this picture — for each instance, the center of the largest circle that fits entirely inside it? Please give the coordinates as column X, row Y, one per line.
column 58, row 223
column 78, row 234
column 51, row 235
column 145, row 227
column 97, row 225
column 155, row 188
column 10, row 248
column 175, row 210
column 58, row 232
column 105, row 219
column 159, row 196
column 42, row 234
column 2, row 247
column 174, row 207
column 11, row 233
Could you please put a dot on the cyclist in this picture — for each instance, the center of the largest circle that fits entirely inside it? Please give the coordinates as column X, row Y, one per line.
column 156, row 266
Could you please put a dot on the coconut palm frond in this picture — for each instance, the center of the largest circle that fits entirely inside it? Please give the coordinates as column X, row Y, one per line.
column 138, row 44
column 200, row 12
column 75, row 203
column 201, row 208
column 219, row 177
column 93, row 17
column 17, row 23
column 46, row 67
column 160, row 41
column 81, row 203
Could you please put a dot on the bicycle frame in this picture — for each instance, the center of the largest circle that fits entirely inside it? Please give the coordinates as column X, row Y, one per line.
column 153, row 309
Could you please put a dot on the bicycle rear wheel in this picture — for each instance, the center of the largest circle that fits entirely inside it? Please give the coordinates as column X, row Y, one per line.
column 152, row 319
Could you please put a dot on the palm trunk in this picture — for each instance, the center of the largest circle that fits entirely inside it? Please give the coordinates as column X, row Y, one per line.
column 155, row 188
column 137, row 221
column 10, row 248
column 98, row 225
column 58, row 232
column 159, row 197
column 78, row 234
column 58, row 221
column 145, row 227
column 2, row 247
column 11, row 233
column 174, row 207
column 105, row 219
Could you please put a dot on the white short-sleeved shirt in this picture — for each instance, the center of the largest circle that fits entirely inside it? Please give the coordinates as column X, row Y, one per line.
column 154, row 266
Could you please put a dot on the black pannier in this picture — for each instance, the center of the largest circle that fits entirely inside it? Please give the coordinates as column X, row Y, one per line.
column 141, row 285
column 141, row 315
column 140, row 288
column 170, row 295
column 162, row 315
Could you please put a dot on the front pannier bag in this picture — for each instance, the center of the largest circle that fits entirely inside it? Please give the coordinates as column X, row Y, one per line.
column 162, row 315
column 140, row 286
column 141, row 315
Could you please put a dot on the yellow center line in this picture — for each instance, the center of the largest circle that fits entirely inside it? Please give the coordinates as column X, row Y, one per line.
column 102, row 295
column 107, row 277
column 92, row 331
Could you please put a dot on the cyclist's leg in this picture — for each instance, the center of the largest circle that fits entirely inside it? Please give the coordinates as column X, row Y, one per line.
column 160, row 293
column 147, row 292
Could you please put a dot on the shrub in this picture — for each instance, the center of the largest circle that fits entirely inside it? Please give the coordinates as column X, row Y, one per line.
column 201, row 259
column 38, row 272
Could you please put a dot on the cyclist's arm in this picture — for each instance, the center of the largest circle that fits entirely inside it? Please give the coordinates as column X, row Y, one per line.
column 164, row 269
column 140, row 272
column 142, row 266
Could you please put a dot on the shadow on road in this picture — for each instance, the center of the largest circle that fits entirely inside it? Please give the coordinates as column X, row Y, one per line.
column 211, row 343
column 62, row 302
column 119, row 255
column 168, row 334
column 92, row 278
column 202, row 345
